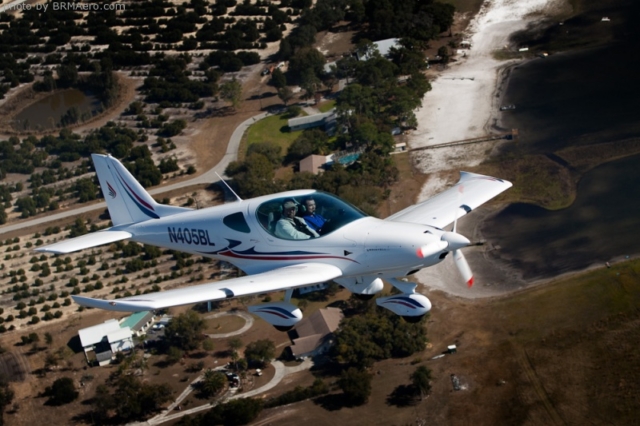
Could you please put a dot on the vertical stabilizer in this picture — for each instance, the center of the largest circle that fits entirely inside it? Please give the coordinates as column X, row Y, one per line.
column 127, row 200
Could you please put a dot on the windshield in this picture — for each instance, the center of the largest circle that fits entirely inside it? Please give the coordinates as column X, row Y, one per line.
column 305, row 217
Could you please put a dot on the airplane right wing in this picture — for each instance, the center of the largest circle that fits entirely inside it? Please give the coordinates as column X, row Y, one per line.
column 278, row 279
column 471, row 191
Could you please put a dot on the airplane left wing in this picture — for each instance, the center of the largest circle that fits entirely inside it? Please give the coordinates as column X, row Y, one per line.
column 471, row 191
column 82, row 242
column 278, row 279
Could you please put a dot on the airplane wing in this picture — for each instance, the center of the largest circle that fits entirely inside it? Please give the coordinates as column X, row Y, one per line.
column 471, row 191
column 278, row 279
column 85, row 241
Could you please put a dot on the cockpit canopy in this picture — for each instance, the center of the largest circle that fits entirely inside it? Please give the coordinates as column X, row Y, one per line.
column 333, row 214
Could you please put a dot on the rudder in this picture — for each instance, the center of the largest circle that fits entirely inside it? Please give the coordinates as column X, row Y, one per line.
column 127, row 200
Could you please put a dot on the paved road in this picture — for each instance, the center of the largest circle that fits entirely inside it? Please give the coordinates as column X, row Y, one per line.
column 207, row 177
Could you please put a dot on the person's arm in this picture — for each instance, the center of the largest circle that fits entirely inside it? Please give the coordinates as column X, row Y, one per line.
column 285, row 229
column 304, row 223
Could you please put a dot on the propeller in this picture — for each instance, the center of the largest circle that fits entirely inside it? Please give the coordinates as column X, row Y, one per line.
column 458, row 257
column 455, row 242
column 452, row 241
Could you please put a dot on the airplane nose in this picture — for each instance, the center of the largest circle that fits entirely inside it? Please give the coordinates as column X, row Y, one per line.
column 455, row 241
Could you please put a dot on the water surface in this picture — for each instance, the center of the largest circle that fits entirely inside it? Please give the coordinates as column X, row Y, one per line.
column 47, row 113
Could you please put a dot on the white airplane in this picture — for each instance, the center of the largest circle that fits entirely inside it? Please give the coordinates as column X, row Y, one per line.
column 354, row 250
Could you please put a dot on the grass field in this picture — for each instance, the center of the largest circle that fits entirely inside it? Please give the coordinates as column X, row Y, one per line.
column 271, row 129
column 326, row 106
column 540, row 180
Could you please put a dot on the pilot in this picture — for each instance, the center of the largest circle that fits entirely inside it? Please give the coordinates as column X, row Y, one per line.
column 314, row 220
column 292, row 227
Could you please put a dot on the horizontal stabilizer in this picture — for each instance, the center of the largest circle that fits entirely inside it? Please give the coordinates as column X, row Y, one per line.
column 278, row 279
column 85, row 241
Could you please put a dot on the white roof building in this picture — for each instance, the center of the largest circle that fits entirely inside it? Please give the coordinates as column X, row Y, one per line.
column 105, row 339
column 92, row 335
column 383, row 46
column 325, row 119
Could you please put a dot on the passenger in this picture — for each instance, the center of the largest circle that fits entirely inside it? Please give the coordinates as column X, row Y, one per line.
column 292, row 227
column 314, row 220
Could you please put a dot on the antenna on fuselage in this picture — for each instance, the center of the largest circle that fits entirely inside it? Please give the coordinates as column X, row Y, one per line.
column 227, row 185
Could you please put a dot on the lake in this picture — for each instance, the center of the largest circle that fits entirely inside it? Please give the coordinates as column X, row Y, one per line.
column 568, row 99
column 602, row 223
column 47, row 113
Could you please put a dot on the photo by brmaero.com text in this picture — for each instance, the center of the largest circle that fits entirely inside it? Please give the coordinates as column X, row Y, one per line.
column 66, row 5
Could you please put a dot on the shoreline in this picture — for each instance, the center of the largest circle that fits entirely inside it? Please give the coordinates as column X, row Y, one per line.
column 464, row 103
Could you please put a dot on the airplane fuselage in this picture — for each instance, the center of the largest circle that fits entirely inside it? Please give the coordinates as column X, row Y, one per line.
column 357, row 248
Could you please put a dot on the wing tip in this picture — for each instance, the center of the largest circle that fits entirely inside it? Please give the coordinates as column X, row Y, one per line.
column 109, row 305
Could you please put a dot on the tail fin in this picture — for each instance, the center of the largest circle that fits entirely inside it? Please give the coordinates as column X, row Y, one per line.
column 127, row 200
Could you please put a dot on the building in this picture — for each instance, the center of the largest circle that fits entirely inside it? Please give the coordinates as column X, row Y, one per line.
column 104, row 340
column 326, row 120
column 313, row 163
column 139, row 322
column 383, row 47
column 314, row 334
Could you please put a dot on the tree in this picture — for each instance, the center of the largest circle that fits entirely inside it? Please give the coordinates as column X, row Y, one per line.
column 443, row 52
column 6, row 396
column 305, row 59
column 270, row 150
column 356, row 385
column 278, row 79
column 135, row 399
column 285, row 94
column 208, row 345
column 421, row 379
column 234, row 344
column 309, row 83
column 185, row 331
column 51, row 360
column 61, row 392
column 235, row 412
column 260, row 351
column 212, row 382
column 231, row 91
column 375, row 335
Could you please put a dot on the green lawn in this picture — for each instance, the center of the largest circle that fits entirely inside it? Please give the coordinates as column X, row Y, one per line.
column 326, row 106
column 270, row 129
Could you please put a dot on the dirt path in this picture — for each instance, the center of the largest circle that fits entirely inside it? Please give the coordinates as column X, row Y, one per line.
column 210, row 138
column 527, row 366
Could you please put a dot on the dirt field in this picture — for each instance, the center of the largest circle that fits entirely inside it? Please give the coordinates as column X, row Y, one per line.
column 539, row 357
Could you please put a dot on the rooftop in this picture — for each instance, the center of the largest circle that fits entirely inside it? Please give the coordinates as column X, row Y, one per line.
column 137, row 320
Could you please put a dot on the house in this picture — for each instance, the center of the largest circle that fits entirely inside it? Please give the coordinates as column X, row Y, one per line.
column 399, row 148
column 139, row 322
column 383, row 47
column 313, row 164
column 325, row 120
column 314, row 334
column 104, row 340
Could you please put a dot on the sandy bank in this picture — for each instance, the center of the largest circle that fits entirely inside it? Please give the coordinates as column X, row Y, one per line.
column 463, row 104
